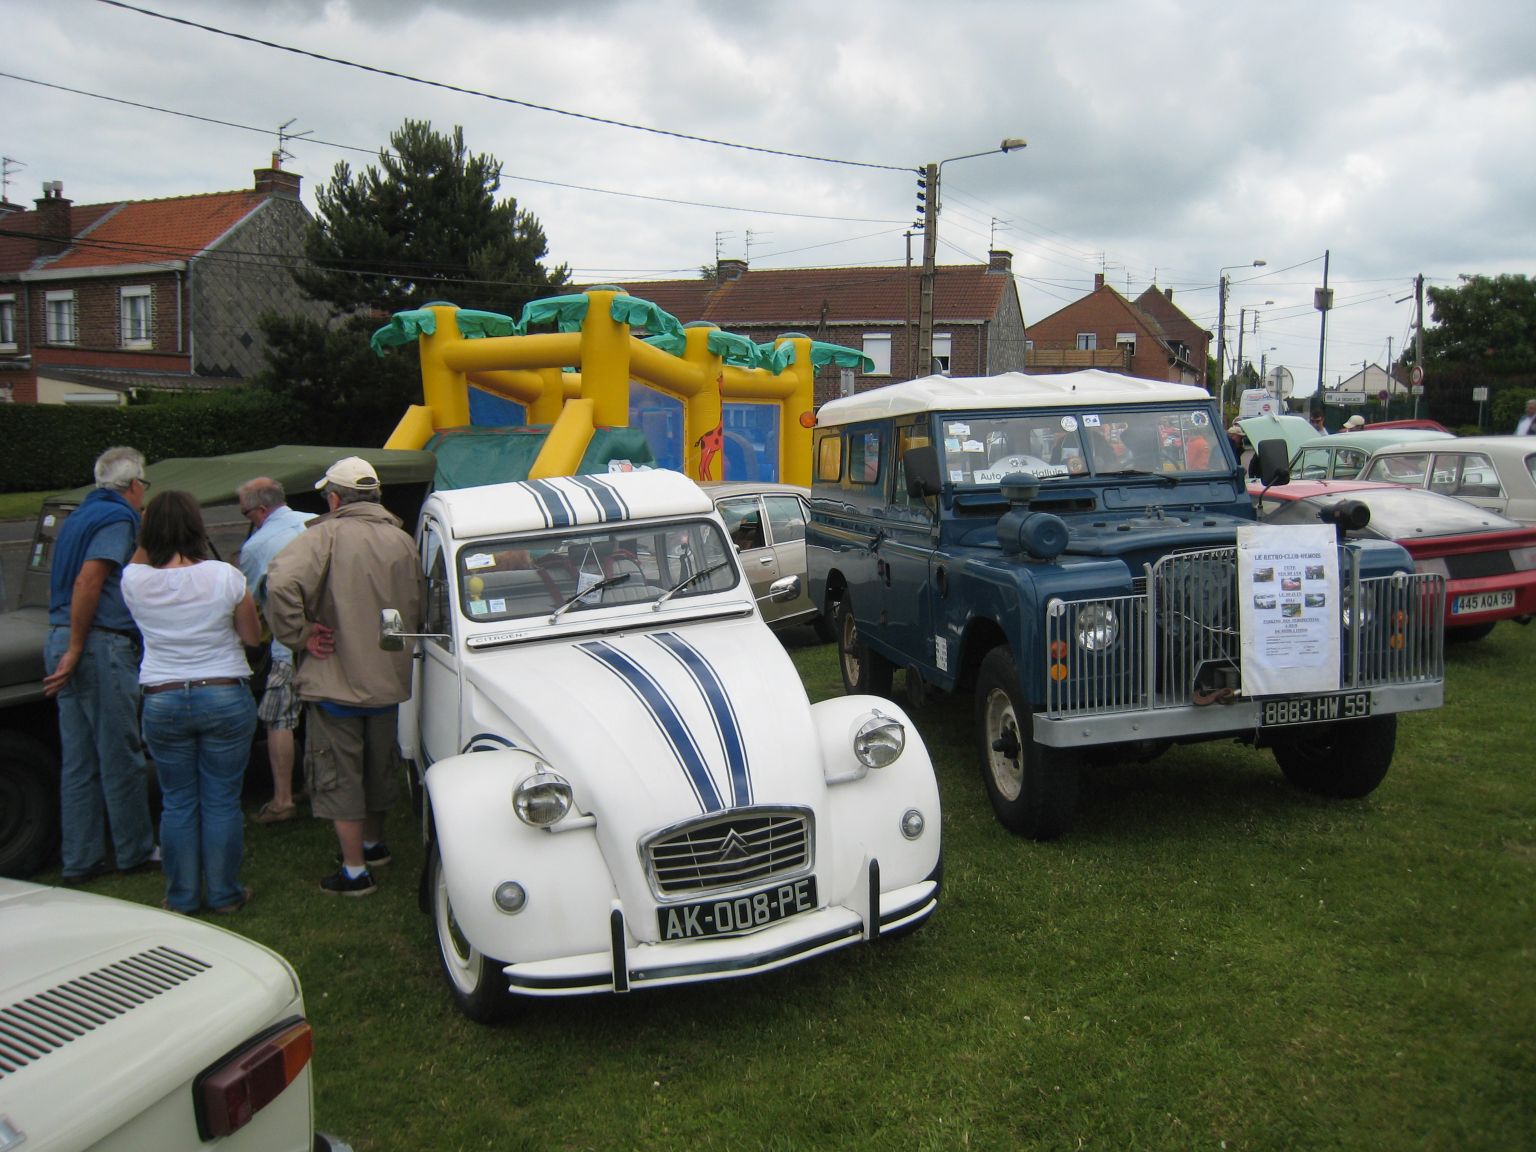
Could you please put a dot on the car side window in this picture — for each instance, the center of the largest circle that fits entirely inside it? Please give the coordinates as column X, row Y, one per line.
column 743, row 517
column 1311, row 464
column 907, row 438
column 1347, row 463
column 786, row 518
column 864, row 456
column 1407, row 468
column 435, row 563
column 1478, row 476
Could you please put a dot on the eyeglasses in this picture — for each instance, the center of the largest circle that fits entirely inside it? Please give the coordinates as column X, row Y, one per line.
column 246, row 512
column 144, row 482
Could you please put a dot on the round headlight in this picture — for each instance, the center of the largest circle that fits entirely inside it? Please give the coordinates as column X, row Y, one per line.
column 1097, row 627
column 1364, row 619
column 542, row 799
column 879, row 741
column 510, row 897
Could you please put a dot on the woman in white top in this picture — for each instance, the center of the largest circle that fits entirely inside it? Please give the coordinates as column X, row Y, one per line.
column 195, row 614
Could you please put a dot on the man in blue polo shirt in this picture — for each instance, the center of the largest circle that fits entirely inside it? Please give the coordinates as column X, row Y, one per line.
column 92, row 660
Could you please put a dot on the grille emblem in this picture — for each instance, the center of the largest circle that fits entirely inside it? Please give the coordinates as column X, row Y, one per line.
column 733, row 847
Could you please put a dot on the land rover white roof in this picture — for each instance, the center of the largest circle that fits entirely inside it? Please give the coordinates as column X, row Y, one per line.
column 566, row 501
column 1006, row 390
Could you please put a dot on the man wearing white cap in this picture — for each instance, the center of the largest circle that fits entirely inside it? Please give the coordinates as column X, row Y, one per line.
column 325, row 591
column 1355, row 422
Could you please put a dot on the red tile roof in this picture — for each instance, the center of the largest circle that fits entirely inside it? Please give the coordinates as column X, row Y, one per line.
column 805, row 297
column 129, row 232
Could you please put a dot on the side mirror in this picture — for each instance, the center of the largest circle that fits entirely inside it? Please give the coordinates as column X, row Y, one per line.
column 391, row 630
column 784, row 588
column 1274, row 462
column 922, row 466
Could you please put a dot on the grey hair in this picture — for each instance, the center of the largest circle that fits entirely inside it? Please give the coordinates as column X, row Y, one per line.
column 117, row 468
column 354, row 495
column 262, row 492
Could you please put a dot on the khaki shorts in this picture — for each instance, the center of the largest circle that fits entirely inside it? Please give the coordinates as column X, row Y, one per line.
column 351, row 763
column 279, row 707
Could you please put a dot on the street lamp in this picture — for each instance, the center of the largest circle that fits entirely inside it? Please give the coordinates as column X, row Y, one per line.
column 1221, row 330
column 928, row 185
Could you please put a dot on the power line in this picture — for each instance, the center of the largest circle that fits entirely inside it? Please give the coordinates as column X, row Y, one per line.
column 500, row 99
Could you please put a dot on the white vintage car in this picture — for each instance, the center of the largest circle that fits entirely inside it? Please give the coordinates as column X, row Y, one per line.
column 127, row 1028
column 625, row 784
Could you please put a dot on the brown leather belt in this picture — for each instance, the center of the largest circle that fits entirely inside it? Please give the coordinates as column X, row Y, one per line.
column 212, row 682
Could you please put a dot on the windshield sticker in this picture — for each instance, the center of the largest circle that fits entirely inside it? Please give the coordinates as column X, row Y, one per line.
column 1091, row 421
column 973, row 446
column 479, row 560
column 957, row 475
column 958, row 429
column 1199, row 419
column 951, row 444
column 1069, row 423
column 478, row 608
column 1038, row 471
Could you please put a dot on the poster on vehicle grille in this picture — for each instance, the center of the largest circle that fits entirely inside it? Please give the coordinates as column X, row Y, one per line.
column 1288, row 608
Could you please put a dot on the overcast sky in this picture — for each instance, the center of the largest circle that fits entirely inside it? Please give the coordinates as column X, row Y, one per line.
column 1167, row 138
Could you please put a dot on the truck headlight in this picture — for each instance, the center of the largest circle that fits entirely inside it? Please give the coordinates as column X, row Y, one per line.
column 543, row 799
column 1097, row 627
column 879, row 740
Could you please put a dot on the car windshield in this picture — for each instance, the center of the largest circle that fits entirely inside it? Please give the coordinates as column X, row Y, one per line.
column 586, row 569
column 1052, row 446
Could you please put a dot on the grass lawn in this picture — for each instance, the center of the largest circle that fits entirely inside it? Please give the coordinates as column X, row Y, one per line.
column 21, row 505
column 1208, row 960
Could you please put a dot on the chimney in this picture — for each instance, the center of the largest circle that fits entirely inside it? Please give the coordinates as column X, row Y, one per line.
column 1098, row 281
column 1000, row 261
column 729, row 269
column 53, row 220
column 1168, row 294
column 275, row 182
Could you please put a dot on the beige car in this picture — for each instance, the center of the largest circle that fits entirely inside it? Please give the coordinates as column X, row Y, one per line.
column 767, row 524
column 1493, row 472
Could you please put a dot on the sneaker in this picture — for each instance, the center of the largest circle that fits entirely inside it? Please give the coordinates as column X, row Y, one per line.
column 340, row 884
column 375, row 857
column 270, row 813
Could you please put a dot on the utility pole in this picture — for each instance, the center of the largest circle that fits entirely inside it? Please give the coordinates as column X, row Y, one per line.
column 907, row 281
column 1418, row 334
column 1221, row 344
column 1322, row 300
column 930, row 255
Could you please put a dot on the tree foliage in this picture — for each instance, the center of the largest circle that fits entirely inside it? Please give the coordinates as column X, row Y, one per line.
column 423, row 225
column 1482, row 334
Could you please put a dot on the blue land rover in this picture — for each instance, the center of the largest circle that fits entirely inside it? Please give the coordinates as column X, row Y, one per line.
column 1080, row 552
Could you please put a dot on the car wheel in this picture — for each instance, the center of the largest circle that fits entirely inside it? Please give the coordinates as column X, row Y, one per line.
column 1033, row 788
column 29, row 805
column 1345, row 760
column 1467, row 634
column 863, row 670
column 476, row 980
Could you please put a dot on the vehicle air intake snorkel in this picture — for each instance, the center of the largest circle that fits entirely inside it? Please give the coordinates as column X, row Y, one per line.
column 1038, row 535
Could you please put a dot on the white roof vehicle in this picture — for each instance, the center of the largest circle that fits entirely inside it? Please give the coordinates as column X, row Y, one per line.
column 127, row 1028
column 626, row 783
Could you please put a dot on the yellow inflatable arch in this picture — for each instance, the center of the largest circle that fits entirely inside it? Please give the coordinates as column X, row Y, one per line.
column 577, row 378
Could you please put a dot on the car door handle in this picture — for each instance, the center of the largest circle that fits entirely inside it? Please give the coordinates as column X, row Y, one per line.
column 765, row 561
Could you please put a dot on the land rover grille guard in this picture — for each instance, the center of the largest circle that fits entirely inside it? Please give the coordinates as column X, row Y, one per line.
column 729, row 850
column 1178, row 643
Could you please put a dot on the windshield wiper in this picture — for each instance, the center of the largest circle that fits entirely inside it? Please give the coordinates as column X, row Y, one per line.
column 687, row 580
column 1161, row 477
column 606, row 582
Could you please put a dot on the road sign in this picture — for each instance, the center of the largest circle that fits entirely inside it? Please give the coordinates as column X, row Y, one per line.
column 1416, row 374
column 1480, row 395
column 1417, row 389
column 1347, row 399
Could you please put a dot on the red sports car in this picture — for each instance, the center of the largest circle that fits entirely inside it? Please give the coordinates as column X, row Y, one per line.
column 1489, row 562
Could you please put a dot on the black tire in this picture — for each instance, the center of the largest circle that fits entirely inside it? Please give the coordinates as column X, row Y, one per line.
column 1467, row 634
column 475, row 980
column 863, row 671
column 1344, row 760
column 1033, row 788
column 29, row 805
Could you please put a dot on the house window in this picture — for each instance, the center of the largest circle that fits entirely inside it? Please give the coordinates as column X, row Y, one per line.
column 134, row 316
column 877, row 346
column 1087, row 341
column 8, row 323
column 1126, row 342
column 941, row 353
column 60, row 325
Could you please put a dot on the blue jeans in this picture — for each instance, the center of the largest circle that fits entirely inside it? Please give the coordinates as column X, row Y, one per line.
column 102, row 772
column 200, row 740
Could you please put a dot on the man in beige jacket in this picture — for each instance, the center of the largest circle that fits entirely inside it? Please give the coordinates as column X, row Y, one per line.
column 325, row 591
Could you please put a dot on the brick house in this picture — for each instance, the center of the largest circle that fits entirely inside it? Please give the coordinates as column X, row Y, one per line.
column 978, row 327
column 99, row 300
column 1149, row 337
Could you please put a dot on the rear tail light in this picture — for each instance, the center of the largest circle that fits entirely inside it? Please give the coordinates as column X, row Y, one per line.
column 230, row 1093
column 1524, row 559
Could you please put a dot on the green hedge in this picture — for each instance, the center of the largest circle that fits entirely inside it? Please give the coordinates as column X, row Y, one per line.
column 50, row 447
